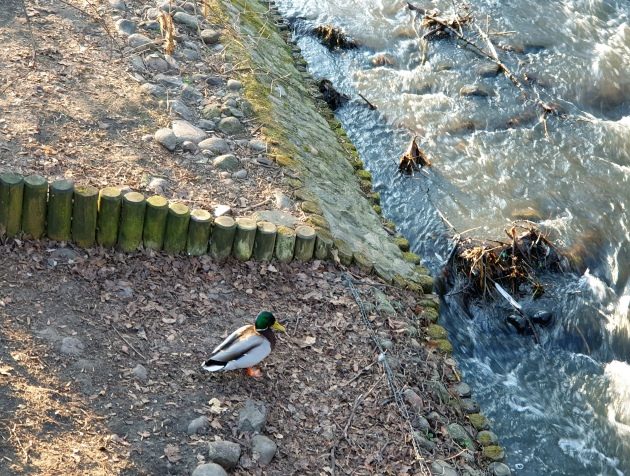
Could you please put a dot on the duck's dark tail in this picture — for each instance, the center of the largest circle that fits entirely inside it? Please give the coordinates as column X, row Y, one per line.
column 213, row 365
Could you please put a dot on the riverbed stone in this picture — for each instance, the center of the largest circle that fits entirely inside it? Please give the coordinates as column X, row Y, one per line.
column 487, row 438
column 493, row 453
column 442, row 468
column 153, row 90
column 478, row 90
column 234, row 85
column 227, row 162
column 488, row 70
column 209, row 469
column 478, row 421
column 186, row 19
column 423, row 441
column 216, row 145
column 166, row 138
column 231, row 126
column 182, row 110
column 499, row 469
column 136, row 40
column 184, row 131
column 435, row 331
column 72, row 346
column 463, row 390
column 461, row 436
column 469, row 405
column 225, row 453
column 169, row 81
column 210, row 36
column 125, row 27
column 263, row 449
column 191, row 94
column 252, row 417
column 156, row 63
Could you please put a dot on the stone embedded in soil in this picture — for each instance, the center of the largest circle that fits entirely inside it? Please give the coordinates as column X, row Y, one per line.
column 153, row 90
column 263, row 449
column 231, row 126
column 478, row 90
column 137, row 40
column 190, row 54
column 209, row 469
column 479, row 421
column 156, row 63
column 383, row 304
column 252, row 417
column 461, row 436
column 166, row 138
column 191, row 147
column 137, row 64
column 439, row 467
column 191, row 94
column 423, row 441
column 186, row 19
column 206, row 124
column 463, row 390
column 151, row 26
column 179, row 108
column 140, row 372
column 198, row 426
column 184, row 131
column 470, row 406
column 118, row 5
column 225, row 453
column 72, row 346
column 125, row 27
column 240, row 174
column 210, row 36
column 211, row 111
column 257, row 145
column 499, row 469
column 169, row 81
column 215, row 144
column 234, row 85
column 226, row 162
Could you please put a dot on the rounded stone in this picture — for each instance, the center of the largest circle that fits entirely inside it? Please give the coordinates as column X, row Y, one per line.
column 475, row 90
column 184, row 131
column 186, row 19
column 252, row 417
column 209, row 36
column 493, row 452
column 263, row 449
column 140, row 372
column 125, row 27
column 499, row 469
column 166, row 138
column 463, row 389
column 227, row 162
column 240, row 174
column 234, row 85
column 487, row 438
column 137, row 40
column 442, row 468
column 198, row 425
column 225, row 453
column 209, row 469
column 215, row 145
column 156, row 63
column 231, row 126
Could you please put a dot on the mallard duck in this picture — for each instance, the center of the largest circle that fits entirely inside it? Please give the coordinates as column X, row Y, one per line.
column 246, row 347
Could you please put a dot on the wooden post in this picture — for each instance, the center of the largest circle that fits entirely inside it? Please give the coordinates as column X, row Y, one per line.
column 304, row 243
column 11, row 195
column 155, row 222
column 34, row 204
column 131, row 221
column 109, row 204
column 222, row 237
column 244, row 239
column 265, row 241
column 84, row 213
column 60, row 210
column 198, row 232
column 285, row 244
column 176, row 228
column 323, row 244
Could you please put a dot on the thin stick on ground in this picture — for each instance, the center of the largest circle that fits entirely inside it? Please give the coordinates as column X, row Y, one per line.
column 32, row 35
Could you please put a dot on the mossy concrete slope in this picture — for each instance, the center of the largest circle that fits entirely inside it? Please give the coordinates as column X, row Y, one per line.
column 303, row 140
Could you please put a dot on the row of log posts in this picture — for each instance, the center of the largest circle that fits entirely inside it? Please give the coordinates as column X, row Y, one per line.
column 109, row 218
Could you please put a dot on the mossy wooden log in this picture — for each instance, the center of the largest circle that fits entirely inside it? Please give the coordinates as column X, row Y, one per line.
column 59, row 217
column 304, row 243
column 285, row 244
column 244, row 239
column 131, row 221
column 265, row 241
column 155, row 222
column 198, row 232
column 109, row 205
column 323, row 244
column 344, row 252
column 11, row 196
column 34, row 203
column 222, row 239
column 84, row 213
column 176, row 233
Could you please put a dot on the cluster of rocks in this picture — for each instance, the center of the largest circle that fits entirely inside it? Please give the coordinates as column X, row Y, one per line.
column 226, row 455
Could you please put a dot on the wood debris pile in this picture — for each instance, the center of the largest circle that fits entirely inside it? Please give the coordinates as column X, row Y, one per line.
column 334, row 37
column 413, row 159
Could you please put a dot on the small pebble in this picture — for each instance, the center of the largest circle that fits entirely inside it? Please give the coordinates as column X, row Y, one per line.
column 240, row 174
column 125, row 27
column 198, row 426
column 210, row 37
column 140, row 372
column 118, row 5
column 234, row 85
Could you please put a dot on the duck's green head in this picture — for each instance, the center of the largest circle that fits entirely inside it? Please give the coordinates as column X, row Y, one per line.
column 267, row 320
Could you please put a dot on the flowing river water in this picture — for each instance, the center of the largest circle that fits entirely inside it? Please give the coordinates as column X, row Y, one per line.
column 560, row 407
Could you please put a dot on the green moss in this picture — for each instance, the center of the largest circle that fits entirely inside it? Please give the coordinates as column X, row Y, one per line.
column 357, row 163
column 430, row 314
column 366, row 186
column 399, row 281
column 390, row 225
column 444, row 345
column 410, row 257
column 493, row 453
column 284, row 161
column 429, row 304
column 363, row 262
column 478, row 421
column 292, row 182
column 311, row 207
column 364, row 175
column 437, row 332
column 376, row 198
column 402, row 243
column 486, row 438
column 377, row 209
column 318, row 221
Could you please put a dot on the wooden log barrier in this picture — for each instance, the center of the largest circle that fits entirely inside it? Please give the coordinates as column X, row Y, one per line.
column 198, row 232
column 244, row 239
column 176, row 232
column 155, row 222
column 131, row 221
column 109, row 205
column 323, row 244
column 11, row 195
column 84, row 212
column 222, row 239
column 265, row 241
column 59, row 217
column 285, row 244
column 304, row 243
column 35, row 201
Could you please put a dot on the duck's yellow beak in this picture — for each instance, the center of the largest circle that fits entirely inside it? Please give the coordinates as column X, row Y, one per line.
column 276, row 326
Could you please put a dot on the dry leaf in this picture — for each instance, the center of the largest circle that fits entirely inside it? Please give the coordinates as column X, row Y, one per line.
column 172, row 453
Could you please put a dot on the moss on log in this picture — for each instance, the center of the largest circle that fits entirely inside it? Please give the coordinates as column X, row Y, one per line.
column 84, row 212
column 109, row 204
column 323, row 244
column 304, row 243
column 34, row 203
column 285, row 244
column 131, row 221
column 155, row 222
column 176, row 232
column 265, row 241
column 59, row 216
column 244, row 239
column 222, row 239
column 11, row 196
column 198, row 232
